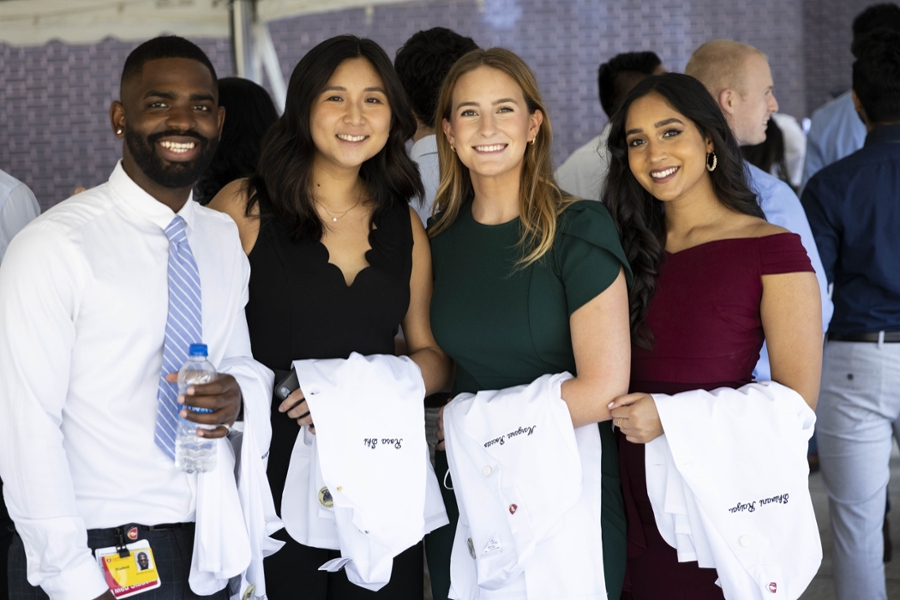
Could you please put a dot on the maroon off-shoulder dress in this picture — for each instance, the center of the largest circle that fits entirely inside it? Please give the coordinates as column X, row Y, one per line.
column 705, row 319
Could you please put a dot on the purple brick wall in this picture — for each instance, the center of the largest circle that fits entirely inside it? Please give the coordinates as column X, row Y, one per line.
column 54, row 99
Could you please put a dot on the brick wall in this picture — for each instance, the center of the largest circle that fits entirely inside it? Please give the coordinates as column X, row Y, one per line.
column 54, row 99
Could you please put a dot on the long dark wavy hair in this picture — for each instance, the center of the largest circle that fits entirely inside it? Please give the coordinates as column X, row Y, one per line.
column 639, row 216
column 283, row 180
column 249, row 112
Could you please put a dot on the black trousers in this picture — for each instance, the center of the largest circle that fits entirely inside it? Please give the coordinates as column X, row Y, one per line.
column 172, row 550
column 293, row 573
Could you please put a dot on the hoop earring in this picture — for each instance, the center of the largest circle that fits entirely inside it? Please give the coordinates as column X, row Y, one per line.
column 534, row 139
column 452, row 147
column 715, row 162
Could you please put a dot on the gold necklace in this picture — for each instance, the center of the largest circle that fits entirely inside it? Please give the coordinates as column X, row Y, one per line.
column 335, row 219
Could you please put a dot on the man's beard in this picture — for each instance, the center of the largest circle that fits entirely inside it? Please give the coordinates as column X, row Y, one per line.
column 168, row 174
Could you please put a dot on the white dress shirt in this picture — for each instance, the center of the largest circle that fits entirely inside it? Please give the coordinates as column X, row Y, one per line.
column 584, row 172
column 425, row 154
column 18, row 207
column 83, row 308
column 794, row 147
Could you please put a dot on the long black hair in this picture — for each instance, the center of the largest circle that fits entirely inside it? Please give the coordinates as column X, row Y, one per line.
column 249, row 114
column 639, row 216
column 283, row 180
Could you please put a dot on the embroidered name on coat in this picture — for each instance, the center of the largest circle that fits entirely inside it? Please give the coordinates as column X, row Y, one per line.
column 373, row 442
column 526, row 431
column 751, row 505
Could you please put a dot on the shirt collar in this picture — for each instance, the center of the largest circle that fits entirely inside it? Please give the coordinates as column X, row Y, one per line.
column 426, row 145
column 138, row 200
column 883, row 134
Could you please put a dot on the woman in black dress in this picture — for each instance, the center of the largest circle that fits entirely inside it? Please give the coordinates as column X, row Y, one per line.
column 339, row 261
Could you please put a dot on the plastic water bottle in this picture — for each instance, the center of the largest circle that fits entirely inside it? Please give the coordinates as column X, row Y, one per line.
column 194, row 454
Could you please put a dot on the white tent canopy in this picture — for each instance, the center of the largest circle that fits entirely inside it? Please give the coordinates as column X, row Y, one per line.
column 37, row 22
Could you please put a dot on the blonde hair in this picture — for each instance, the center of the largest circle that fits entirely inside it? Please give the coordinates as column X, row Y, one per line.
column 720, row 65
column 540, row 200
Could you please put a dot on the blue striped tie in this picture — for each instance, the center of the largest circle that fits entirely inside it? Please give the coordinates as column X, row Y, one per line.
column 183, row 328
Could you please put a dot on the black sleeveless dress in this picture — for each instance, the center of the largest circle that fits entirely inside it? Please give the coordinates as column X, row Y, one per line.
column 301, row 307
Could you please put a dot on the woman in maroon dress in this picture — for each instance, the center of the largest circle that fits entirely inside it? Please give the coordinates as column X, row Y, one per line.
column 712, row 280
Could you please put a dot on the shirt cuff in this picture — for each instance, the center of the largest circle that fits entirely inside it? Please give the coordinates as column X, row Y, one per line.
column 83, row 581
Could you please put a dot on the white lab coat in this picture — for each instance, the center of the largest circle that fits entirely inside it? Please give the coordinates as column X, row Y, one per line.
column 369, row 452
column 528, row 487
column 235, row 511
column 728, row 483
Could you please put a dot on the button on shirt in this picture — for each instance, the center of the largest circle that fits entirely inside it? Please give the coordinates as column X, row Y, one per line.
column 782, row 207
column 83, row 307
column 855, row 215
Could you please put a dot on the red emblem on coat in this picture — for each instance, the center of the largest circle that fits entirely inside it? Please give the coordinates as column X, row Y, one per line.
column 773, row 587
column 512, row 509
column 132, row 533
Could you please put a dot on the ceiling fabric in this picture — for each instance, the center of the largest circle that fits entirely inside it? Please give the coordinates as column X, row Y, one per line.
column 36, row 22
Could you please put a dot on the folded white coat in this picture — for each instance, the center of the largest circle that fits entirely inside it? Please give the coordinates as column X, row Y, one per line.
column 235, row 512
column 363, row 483
column 528, row 487
column 728, row 483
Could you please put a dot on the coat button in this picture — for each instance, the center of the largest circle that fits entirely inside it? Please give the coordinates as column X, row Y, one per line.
column 744, row 540
column 487, row 471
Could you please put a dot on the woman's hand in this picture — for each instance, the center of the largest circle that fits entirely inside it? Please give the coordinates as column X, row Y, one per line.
column 637, row 417
column 296, row 408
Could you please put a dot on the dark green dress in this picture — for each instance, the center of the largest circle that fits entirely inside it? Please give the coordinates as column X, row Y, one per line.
column 506, row 327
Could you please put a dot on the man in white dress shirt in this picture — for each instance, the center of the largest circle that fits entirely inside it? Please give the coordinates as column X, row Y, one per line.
column 422, row 63
column 584, row 172
column 84, row 320
column 836, row 130
column 739, row 79
column 18, row 207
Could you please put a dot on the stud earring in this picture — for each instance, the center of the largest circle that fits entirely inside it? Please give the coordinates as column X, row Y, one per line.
column 711, row 164
column 119, row 131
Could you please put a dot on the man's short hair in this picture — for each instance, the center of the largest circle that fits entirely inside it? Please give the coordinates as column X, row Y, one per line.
column 168, row 46
column 876, row 75
column 622, row 69
column 877, row 16
column 423, row 62
column 719, row 65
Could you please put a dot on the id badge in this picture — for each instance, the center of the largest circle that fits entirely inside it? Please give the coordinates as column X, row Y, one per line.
column 132, row 574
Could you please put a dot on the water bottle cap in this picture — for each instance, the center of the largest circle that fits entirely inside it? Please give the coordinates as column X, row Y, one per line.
column 198, row 350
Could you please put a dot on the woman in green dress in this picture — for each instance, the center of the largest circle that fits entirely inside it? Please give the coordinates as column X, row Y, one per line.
column 528, row 280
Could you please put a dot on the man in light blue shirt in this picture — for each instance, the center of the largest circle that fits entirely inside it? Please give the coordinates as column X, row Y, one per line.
column 836, row 130
column 739, row 79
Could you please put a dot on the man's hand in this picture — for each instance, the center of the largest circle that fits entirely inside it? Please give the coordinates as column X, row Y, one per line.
column 637, row 417
column 223, row 396
column 297, row 408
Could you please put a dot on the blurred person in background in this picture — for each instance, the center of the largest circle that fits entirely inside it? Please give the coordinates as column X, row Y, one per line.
column 583, row 173
column 249, row 112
